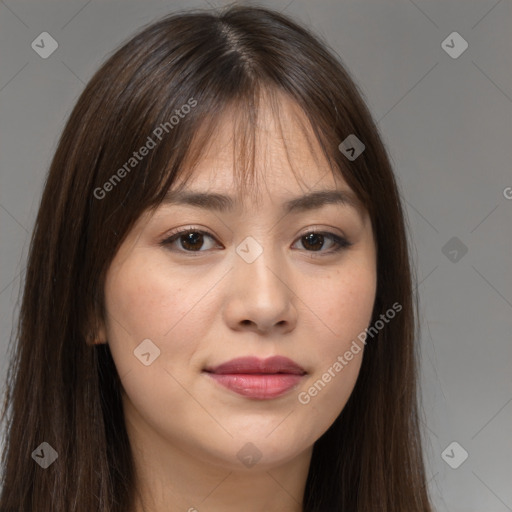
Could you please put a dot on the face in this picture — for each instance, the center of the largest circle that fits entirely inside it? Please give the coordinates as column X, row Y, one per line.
column 194, row 288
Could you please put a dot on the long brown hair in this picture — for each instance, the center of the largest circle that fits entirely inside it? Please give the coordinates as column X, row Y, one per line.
column 64, row 390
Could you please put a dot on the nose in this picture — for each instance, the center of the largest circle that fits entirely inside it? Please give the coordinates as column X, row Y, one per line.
column 260, row 297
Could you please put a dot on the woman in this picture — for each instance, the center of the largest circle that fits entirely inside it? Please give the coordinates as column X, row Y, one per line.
column 218, row 310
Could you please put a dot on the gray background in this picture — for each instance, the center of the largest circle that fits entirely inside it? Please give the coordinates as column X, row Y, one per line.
column 447, row 125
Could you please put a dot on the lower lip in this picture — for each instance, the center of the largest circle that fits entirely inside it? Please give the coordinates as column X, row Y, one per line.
column 258, row 386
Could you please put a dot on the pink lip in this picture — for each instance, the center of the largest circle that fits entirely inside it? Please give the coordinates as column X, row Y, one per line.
column 260, row 379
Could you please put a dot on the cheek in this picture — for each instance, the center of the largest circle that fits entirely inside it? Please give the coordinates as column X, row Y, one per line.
column 344, row 303
column 344, row 306
column 151, row 298
column 144, row 302
column 140, row 298
column 151, row 311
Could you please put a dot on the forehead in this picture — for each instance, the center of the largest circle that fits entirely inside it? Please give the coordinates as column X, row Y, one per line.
column 290, row 171
column 278, row 149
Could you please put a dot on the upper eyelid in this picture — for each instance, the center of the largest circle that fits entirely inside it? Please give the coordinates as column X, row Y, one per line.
column 312, row 229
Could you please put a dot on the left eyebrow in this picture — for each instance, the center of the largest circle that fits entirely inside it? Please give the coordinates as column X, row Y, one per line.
column 221, row 203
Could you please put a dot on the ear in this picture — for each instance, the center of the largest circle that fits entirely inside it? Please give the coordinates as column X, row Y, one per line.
column 96, row 334
column 101, row 336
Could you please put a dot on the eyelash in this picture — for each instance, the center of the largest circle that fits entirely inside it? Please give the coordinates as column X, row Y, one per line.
column 340, row 242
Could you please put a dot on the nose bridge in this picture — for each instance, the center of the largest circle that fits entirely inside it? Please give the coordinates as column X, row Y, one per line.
column 258, row 263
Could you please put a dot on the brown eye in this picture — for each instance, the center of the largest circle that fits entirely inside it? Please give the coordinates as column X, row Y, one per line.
column 315, row 242
column 190, row 240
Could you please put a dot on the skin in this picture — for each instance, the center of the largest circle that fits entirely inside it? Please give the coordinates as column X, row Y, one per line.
column 203, row 308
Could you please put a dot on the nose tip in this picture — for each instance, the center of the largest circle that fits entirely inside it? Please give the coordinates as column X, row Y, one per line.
column 259, row 299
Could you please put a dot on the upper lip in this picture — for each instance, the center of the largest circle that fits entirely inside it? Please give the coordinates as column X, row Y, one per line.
column 271, row 365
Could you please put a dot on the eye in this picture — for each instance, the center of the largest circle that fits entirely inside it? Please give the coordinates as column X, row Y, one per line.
column 316, row 241
column 192, row 240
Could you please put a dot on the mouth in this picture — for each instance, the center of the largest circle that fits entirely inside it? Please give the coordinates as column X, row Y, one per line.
column 259, row 379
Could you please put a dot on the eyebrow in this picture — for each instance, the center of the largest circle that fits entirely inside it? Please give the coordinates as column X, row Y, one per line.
column 222, row 203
